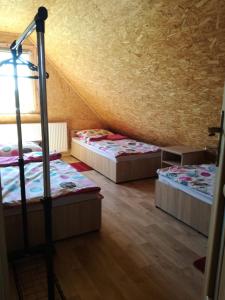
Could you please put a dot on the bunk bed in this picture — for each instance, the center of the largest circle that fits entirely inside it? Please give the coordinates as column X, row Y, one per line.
column 115, row 156
column 186, row 192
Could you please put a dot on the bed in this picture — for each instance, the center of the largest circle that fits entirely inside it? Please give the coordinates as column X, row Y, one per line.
column 186, row 192
column 115, row 156
column 76, row 203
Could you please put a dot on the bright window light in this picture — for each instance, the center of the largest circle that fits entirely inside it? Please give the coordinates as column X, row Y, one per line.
column 26, row 86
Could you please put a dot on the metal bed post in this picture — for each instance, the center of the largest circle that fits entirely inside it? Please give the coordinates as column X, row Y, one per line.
column 39, row 24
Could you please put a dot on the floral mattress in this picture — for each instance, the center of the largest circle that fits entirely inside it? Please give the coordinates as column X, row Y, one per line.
column 123, row 147
column 197, row 177
column 64, row 180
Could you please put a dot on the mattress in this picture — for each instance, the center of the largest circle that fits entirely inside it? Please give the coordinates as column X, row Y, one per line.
column 119, row 158
column 195, row 180
column 65, row 180
column 194, row 193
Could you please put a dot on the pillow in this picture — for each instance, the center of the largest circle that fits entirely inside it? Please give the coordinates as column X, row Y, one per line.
column 12, row 149
column 93, row 134
column 116, row 137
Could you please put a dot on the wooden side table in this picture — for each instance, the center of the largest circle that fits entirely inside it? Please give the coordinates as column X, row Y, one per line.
column 182, row 155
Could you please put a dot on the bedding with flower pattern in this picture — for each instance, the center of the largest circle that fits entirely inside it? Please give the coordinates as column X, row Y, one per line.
column 12, row 149
column 6, row 161
column 64, row 180
column 197, row 177
column 123, row 147
column 93, row 134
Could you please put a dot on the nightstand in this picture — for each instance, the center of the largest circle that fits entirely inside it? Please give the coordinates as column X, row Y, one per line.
column 182, row 155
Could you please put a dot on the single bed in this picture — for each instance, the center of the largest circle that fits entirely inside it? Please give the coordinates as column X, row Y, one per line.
column 76, row 203
column 186, row 192
column 118, row 158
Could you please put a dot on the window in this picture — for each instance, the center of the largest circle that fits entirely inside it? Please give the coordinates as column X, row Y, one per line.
column 26, row 86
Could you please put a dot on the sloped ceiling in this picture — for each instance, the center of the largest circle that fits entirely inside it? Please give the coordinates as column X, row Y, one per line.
column 150, row 68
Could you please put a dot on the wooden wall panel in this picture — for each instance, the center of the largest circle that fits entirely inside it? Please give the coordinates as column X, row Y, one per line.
column 152, row 69
column 64, row 104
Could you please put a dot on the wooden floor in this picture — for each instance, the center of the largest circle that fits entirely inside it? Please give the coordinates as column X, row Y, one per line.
column 141, row 253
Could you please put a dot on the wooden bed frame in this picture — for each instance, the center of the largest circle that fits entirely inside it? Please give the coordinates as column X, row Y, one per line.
column 184, row 207
column 80, row 214
column 140, row 167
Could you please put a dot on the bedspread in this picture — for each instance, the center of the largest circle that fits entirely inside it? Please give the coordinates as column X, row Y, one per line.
column 64, row 180
column 198, row 177
column 123, row 147
column 6, row 161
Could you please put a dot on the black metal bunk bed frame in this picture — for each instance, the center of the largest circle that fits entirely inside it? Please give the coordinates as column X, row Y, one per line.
column 37, row 24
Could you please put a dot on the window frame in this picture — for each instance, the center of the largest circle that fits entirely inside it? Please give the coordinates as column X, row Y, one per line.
column 33, row 58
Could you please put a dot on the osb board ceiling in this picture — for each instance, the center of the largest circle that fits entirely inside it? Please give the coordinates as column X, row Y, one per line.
column 152, row 69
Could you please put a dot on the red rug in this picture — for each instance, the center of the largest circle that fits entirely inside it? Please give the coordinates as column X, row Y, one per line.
column 200, row 264
column 81, row 167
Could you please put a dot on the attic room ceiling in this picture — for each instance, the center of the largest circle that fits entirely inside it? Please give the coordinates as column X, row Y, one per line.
column 143, row 66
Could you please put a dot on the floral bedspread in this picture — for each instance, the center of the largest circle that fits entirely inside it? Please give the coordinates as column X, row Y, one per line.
column 64, row 180
column 198, row 177
column 123, row 147
column 6, row 161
